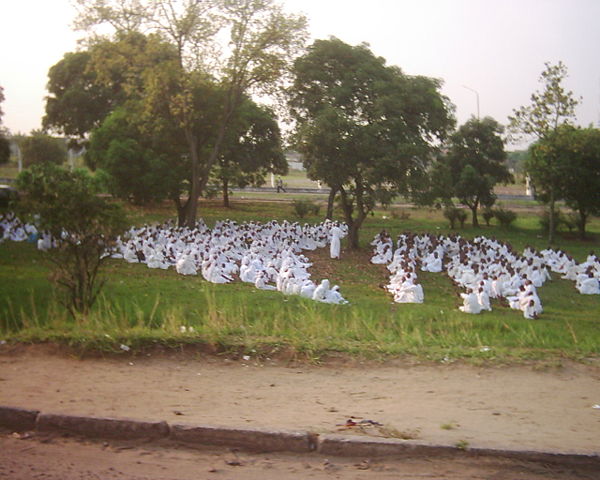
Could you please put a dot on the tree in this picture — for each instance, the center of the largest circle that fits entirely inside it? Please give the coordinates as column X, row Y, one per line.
column 83, row 226
column 263, row 40
column 41, row 148
column 77, row 102
column 365, row 129
column 548, row 110
column 251, row 150
column 573, row 172
column 4, row 143
column 477, row 162
column 137, row 169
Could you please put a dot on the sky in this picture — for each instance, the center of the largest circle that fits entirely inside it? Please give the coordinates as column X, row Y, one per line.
column 493, row 51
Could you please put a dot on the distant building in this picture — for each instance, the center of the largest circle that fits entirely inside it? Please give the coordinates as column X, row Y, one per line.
column 294, row 160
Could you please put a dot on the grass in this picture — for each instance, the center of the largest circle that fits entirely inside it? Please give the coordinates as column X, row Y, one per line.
column 142, row 307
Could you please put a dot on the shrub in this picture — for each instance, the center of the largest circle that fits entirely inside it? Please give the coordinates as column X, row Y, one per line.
column 487, row 214
column 453, row 214
column 305, row 207
column 83, row 225
column 400, row 214
column 572, row 221
column 559, row 220
column 505, row 217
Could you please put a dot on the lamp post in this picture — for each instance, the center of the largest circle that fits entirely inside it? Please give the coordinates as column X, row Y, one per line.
column 477, row 95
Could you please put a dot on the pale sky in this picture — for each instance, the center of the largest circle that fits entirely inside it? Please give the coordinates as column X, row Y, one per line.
column 497, row 48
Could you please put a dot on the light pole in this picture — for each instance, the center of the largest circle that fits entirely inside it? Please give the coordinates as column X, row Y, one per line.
column 477, row 95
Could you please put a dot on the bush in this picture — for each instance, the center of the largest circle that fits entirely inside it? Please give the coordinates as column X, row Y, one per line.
column 453, row 214
column 505, row 217
column 305, row 207
column 400, row 214
column 559, row 221
column 488, row 214
column 572, row 221
column 83, row 225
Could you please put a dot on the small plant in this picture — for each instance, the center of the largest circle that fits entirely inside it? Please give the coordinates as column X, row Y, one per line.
column 392, row 432
column 449, row 426
column 462, row 444
column 505, row 217
column 302, row 208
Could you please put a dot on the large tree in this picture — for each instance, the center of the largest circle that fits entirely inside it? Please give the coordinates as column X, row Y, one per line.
column 262, row 42
column 76, row 102
column 549, row 109
column 573, row 172
column 252, row 150
column 477, row 162
column 139, row 169
column 365, row 129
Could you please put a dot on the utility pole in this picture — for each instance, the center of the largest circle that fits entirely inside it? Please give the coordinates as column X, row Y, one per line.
column 477, row 96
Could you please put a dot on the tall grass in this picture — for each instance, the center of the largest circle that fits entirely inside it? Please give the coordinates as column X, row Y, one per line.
column 141, row 307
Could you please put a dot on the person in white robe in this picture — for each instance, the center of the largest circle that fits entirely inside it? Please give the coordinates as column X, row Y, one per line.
column 470, row 302
column 335, row 245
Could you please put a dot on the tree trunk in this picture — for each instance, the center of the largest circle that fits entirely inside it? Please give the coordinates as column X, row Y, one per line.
column 191, row 205
column 581, row 224
column 551, row 218
column 474, row 207
column 330, row 203
column 226, row 193
column 475, row 220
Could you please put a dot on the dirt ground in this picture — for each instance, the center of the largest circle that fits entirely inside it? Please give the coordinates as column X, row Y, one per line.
column 532, row 407
column 56, row 458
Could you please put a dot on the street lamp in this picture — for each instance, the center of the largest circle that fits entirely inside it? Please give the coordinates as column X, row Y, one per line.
column 477, row 95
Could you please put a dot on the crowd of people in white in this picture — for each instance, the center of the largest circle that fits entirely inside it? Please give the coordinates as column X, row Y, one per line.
column 484, row 267
column 267, row 255
column 270, row 256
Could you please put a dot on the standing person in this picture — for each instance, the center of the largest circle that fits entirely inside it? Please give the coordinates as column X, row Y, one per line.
column 335, row 245
column 280, row 185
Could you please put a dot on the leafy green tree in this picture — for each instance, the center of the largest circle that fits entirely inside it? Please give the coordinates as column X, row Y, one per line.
column 77, row 102
column 83, row 225
column 574, row 170
column 251, row 151
column 41, row 148
column 365, row 129
column 4, row 143
column 549, row 109
column 138, row 171
column 262, row 42
column 477, row 162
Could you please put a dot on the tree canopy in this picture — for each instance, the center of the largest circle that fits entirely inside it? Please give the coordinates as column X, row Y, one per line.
column 566, row 164
column 477, row 162
column 40, row 148
column 263, row 40
column 365, row 129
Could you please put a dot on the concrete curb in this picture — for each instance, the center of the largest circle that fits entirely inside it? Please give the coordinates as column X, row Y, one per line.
column 18, row 419
column 253, row 439
column 260, row 439
column 102, row 427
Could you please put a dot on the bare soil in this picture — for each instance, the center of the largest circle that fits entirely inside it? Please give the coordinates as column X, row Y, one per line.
column 57, row 458
column 533, row 407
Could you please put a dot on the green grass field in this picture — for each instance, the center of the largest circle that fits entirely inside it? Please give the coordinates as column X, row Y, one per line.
column 142, row 307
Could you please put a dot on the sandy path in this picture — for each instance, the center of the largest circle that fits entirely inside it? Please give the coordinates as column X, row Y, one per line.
column 500, row 407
